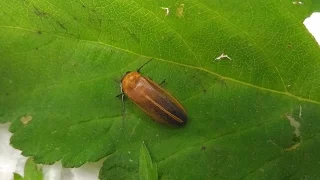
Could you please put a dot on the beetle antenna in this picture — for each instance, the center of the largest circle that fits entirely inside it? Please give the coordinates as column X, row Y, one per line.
column 138, row 70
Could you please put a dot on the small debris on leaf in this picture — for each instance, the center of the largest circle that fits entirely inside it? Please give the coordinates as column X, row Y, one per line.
column 297, row 2
column 167, row 10
column 180, row 10
column 222, row 56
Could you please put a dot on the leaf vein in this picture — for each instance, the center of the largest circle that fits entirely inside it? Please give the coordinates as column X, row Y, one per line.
column 285, row 93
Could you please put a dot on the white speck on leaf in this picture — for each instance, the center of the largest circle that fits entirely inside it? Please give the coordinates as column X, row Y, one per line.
column 167, row 10
column 295, row 124
column 300, row 112
column 297, row 2
column 223, row 56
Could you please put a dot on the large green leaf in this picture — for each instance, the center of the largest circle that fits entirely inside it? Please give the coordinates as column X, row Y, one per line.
column 255, row 116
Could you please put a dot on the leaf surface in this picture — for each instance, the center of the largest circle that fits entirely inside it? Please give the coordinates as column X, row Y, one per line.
column 31, row 172
column 256, row 116
column 147, row 170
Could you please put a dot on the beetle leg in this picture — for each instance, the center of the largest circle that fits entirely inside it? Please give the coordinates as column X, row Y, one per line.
column 162, row 82
column 119, row 95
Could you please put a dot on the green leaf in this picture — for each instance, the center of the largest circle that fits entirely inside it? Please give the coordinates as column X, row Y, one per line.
column 31, row 172
column 147, row 170
column 256, row 116
column 316, row 5
column 17, row 176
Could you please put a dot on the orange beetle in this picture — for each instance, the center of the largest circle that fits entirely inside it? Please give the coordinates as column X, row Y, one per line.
column 152, row 99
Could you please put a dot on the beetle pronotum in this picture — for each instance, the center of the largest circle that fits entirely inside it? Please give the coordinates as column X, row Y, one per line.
column 152, row 99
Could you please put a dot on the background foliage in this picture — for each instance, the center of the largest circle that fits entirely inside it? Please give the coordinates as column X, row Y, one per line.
column 255, row 116
column 31, row 172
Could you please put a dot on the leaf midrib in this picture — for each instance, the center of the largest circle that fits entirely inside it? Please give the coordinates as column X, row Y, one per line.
column 176, row 63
